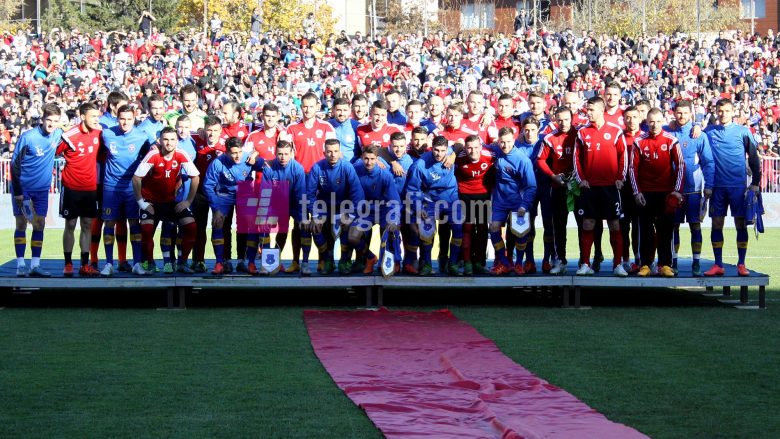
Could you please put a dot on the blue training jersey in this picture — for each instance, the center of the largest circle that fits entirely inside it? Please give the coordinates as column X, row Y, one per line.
column 730, row 144
column 406, row 162
column 124, row 152
column 108, row 121
column 151, row 128
column 378, row 186
column 332, row 184
column 292, row 173
column 32, row 163
column 187, row 146
column 223, row 175
column 430, row 181
column 699, row 164
column 515, row 181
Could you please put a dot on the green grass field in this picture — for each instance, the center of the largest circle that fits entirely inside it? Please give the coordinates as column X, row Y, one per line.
column 671, row 364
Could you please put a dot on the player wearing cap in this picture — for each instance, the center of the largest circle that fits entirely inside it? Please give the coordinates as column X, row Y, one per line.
column 656, row 171
column 32, row 165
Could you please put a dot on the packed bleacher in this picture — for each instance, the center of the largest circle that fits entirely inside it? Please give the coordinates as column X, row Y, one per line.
column 420, row 79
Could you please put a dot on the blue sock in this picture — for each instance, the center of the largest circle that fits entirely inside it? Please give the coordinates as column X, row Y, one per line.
column 305, row 245
column 716, row 236
column 499, row 247
column 742, row 244
column 36, row 245
column 455, row 243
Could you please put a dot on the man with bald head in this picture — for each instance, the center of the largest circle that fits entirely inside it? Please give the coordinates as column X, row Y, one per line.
column 572, row 101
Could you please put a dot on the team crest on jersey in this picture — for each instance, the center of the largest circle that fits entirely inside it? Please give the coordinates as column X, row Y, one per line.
column 664, row 147
column 39, row 151
column 684, row 144
column 386, row 137
column 484, row 166
column 95, row 141
column 318, row 133
column 174, row 164
column 112, row 147
column 435, row 176
column 244, row 173
column 240, row 134
column 607, row 136
column 131, row 147
column 228, row 175
column 322, row 180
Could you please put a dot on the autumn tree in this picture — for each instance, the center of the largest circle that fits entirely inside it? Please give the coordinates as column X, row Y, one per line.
column 626, row 17
column 235, row 14
column 8, row 10
column 408, row 18
column 287, row 15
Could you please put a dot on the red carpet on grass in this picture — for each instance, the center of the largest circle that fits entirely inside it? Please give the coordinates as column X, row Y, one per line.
column 431, row 375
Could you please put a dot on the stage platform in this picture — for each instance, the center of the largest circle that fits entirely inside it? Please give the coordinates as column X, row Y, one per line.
column 177, row 286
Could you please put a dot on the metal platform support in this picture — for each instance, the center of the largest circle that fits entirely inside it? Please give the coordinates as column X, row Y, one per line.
column 577, row 293
column 743, row 295
column 762, row 297
column 171, row 295
column 726, row 291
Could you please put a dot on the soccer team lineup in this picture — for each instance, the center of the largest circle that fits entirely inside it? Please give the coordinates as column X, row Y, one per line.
column 415, row 170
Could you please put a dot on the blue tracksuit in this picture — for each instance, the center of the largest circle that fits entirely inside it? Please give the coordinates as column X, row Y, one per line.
column 332, row 184
column 515, row 183
column 379, row 186
column 428, row 182
column 294, row 174
column 729, row 145
column 222, row 179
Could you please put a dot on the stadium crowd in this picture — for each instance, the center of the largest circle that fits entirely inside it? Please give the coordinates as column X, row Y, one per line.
column 407, row 120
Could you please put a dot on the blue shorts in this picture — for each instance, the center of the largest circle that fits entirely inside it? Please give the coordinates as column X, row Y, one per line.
column 40, row 201
column 119, row 205
column 690, row 209
column 381, row 217
column 225, row 207
column 724, row 198
column 500, row 213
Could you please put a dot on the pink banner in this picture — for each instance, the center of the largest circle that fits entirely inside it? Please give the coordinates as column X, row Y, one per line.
column 430, row 375
column 263, row 207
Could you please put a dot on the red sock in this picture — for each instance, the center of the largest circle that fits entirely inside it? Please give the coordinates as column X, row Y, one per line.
column 465, row 249
column 121, row 240
column 147, row 241
column 587, row 243
column 94, row 244
column 188, row 240
column 616, row 241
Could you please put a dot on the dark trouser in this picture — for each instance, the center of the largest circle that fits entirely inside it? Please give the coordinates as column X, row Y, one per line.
column 560, row 216
column 655, row 222
column 200, row 208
